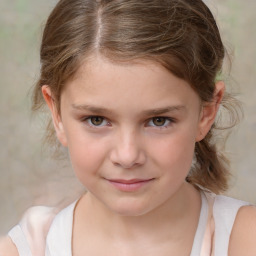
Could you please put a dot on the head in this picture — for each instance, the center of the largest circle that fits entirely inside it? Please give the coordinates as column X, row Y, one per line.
column 181, row 36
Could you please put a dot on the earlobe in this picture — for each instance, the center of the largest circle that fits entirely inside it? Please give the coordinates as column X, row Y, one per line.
column 209, row 111
column 60, row 132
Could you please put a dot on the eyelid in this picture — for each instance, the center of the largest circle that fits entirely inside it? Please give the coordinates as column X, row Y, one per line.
column 86, row 119
column 169, row 119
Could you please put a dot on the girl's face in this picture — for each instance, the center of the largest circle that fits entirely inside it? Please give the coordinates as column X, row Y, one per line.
column 131, row 131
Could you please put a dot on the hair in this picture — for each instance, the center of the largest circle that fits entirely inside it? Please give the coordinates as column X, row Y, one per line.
column 181, row 35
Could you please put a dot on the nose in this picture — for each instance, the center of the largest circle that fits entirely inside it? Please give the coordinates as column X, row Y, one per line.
column 127, row 151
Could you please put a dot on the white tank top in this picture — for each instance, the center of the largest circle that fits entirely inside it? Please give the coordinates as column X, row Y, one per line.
column 42, row 232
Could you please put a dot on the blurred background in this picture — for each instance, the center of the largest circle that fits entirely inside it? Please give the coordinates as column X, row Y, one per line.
column 29, row 176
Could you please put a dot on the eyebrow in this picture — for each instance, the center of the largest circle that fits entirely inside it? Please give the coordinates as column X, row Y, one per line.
column 93, row 109
column 164, row 110
column 150, row 112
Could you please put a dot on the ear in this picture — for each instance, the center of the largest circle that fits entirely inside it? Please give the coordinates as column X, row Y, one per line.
column 209, row 111
column 56, row 118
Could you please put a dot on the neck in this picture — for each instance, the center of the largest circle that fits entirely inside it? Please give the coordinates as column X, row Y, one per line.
column 171, row 220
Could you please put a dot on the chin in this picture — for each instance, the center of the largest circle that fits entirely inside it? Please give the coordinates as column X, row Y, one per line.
column 129, row 208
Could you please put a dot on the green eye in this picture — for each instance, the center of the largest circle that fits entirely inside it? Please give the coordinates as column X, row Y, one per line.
column 159, row 121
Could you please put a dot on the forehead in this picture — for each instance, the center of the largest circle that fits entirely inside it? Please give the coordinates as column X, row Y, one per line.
column 107, row 82
column 97, row 68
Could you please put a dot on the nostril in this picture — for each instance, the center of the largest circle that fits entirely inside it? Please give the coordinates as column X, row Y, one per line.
column 127, row 159
column 125, row 165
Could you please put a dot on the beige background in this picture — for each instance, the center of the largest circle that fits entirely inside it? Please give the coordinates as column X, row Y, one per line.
column 29, row 176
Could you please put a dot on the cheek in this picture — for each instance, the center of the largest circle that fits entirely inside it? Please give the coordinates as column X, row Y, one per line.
column 175, row 153
column 86, row 154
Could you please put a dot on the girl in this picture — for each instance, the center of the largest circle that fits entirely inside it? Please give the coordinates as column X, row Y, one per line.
column 132, row 89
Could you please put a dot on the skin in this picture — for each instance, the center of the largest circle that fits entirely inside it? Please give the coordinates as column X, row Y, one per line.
column 126, row 145
column 147, row 122
column 242, row 239
column 7, row 248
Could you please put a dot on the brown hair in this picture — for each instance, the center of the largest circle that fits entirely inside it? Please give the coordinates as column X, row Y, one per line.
column 182, row 35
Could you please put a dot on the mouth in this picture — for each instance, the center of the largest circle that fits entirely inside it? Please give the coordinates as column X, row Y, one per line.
column 129, row 185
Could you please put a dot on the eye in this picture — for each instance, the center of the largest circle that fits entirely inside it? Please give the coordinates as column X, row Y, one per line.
column 159, row 121
column 96, row 121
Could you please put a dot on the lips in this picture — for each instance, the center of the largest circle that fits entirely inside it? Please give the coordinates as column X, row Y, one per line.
column 129, row 181
column 129, row 185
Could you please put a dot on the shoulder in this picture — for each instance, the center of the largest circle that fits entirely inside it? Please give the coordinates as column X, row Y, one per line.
column 29, row 235
column 38, row 216
column 7, row 247
column 36, row 222
column 242, row 239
